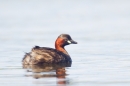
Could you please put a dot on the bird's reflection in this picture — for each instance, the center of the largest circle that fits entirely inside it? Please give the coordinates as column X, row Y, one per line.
column 49, row 70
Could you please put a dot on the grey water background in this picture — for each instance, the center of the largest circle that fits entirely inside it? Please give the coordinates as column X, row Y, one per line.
column 101, row 28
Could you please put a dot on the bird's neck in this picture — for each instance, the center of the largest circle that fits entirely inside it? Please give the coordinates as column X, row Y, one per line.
column 59, row 46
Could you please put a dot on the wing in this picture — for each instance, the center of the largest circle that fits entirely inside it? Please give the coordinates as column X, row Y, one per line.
column 48, row 55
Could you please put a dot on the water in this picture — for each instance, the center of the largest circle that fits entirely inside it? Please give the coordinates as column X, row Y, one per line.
column 101, row 28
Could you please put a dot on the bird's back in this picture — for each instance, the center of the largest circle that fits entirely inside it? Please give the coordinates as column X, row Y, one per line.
column 45, row 55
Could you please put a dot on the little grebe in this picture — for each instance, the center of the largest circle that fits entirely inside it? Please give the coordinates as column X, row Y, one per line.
column 49, row 55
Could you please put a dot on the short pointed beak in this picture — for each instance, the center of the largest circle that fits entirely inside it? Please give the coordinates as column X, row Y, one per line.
column 72, row 42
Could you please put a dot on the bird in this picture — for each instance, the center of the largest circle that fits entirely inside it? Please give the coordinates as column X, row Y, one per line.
column 40, row 55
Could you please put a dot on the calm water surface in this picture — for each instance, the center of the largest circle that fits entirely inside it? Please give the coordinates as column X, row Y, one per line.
column 101, row 28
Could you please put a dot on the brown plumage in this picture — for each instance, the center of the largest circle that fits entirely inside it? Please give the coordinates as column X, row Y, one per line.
column 49, row 55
